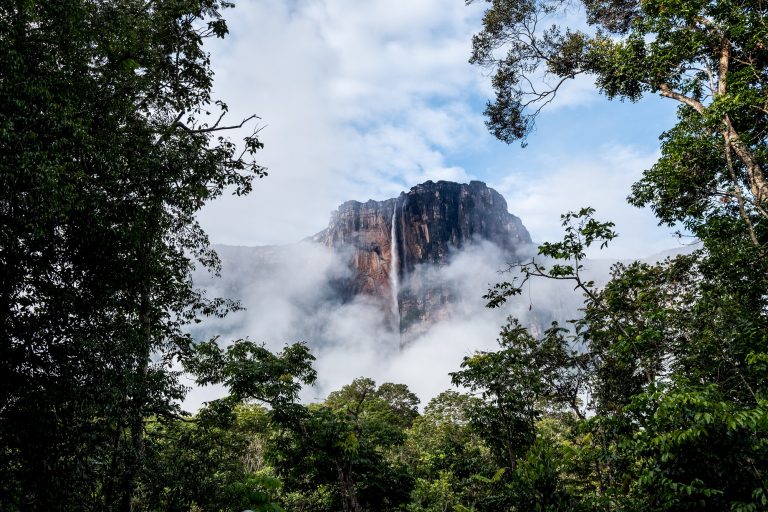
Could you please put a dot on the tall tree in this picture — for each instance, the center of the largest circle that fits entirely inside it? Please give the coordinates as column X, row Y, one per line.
column 672, row 370
column 212, row 461
column 447, row 457
column 709, row 56
column 337, row 455
column 677, row 351
column 107, row 154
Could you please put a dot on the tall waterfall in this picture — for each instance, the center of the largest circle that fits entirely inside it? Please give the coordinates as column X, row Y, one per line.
column 394, row 277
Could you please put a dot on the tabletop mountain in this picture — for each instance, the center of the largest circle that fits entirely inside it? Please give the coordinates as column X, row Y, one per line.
column 391, row 245
column 398, row 266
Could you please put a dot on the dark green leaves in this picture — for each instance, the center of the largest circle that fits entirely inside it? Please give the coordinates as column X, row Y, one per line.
column 106, row 158
column 251, row 372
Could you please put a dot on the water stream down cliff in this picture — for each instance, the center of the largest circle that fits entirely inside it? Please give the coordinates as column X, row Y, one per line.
column 394, row 269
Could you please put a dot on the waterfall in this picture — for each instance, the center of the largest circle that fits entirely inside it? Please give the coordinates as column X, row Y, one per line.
column 394, row 267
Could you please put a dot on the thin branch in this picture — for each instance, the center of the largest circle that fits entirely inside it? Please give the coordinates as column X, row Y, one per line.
column 169, row 129
column 216, row 127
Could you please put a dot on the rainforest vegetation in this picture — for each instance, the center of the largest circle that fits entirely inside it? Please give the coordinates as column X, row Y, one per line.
column 655, row 399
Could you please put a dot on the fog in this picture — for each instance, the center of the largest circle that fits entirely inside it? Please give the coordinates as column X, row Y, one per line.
column 288, row 296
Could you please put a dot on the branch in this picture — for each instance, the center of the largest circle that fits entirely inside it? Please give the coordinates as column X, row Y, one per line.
column 216, row 127
column 757, row 182
column 168, row 130
column 737, row 191
column 669, row 93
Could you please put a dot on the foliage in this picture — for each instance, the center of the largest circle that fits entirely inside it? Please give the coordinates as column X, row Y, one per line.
column 671, row 353
column 344, row 446
column 516, row 385
column 107, row 155
column 445, row 454
column 213, row 461
column 251, row 372
column 656, row 399
column 667, row 366
column 710, row 57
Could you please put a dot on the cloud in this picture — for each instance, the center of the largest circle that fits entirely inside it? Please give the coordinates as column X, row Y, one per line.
column 357, row 99
column 290, row 296
column 363, row 100
column 568, row 182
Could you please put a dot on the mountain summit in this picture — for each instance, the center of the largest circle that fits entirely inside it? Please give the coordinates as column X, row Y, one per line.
column 391, row 245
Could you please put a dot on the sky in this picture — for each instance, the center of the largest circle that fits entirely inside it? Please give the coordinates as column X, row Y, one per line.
column 366, row 99
column 363, row 100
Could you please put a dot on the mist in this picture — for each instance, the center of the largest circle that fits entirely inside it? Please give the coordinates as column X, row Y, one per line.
column 288, row 296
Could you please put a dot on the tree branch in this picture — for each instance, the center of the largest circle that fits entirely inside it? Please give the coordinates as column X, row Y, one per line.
column 737, row 191
column 669, row 93
column 757, row 182
column 216, row 127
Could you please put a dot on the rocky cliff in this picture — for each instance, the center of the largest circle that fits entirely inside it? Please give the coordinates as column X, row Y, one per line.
column 389, row 244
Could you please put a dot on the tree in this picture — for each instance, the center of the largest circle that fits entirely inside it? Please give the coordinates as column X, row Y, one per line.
column 673, row 381
column 107, row 154
column 344, row 447
column 676, row 379
column 212, row 461
column 446, row 455
column 517, row 385
column 391, row 404
column 708, row 56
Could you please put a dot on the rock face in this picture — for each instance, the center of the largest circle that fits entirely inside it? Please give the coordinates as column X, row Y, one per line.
column 388, row 243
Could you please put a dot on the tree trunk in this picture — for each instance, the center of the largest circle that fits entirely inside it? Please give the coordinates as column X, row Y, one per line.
column 349, row 498
column 137, row 404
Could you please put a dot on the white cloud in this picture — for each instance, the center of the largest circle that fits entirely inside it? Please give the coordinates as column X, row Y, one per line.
column 289, row 297
column 567, row 182
column 359, row 99
column 366, row 99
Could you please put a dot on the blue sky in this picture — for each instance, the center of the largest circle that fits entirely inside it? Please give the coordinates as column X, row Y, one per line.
column 361, row 100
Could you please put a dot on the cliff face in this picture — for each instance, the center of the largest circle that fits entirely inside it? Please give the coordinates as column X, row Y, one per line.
column 363, row 233
column 437, row 218
column 388, row 243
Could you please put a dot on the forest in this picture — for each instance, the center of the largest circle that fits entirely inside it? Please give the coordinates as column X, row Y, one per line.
column 112, row 140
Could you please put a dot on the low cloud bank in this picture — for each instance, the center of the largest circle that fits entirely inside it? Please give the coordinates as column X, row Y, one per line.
column 288, row 294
